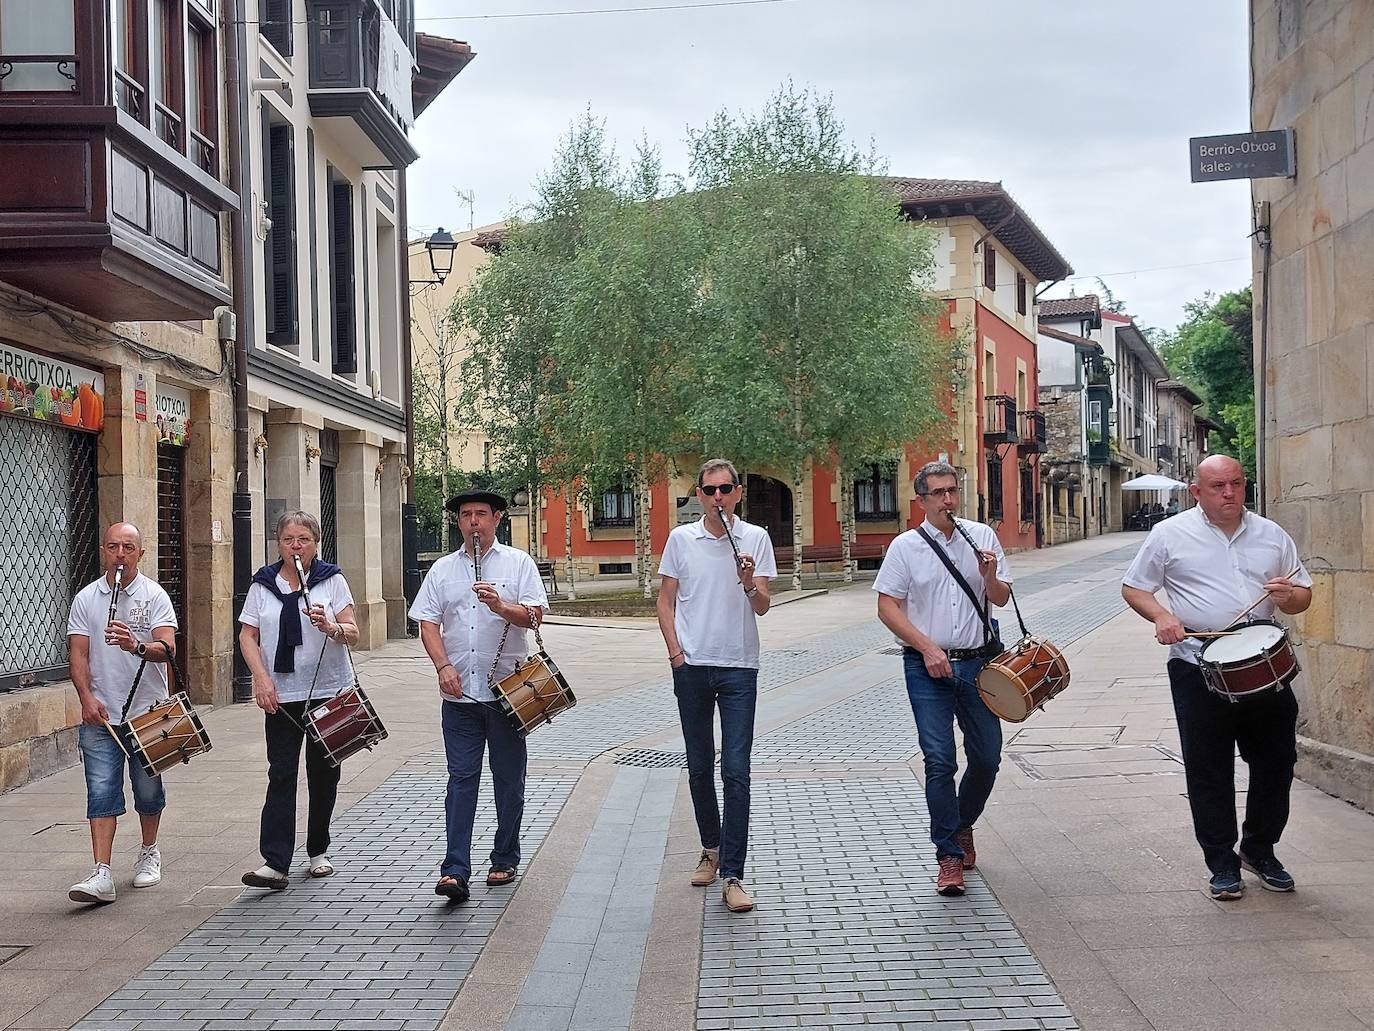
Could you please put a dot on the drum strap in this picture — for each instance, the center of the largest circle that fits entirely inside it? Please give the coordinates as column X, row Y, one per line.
column 533, row 613
column 172, row 686
column 988, row 635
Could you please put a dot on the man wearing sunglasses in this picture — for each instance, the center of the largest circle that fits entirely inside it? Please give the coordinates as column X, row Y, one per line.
column 946, row 640
column 715, row 586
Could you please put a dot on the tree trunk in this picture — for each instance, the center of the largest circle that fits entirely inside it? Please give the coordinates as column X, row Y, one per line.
column 443, row 463
column 798, row 496
column 847, row 521
column 644, row 536
column 567, row 541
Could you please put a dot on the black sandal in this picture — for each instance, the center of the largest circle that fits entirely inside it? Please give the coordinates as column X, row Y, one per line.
column 498, row 876
column 456, row 890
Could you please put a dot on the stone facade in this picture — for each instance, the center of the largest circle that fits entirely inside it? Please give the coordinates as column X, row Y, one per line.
column 1313, row 71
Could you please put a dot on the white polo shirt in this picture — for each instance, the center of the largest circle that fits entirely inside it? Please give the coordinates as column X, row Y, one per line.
column 716, row 624
column 144, row 607
column 262, row 610
column 471, row 630
column 932, row 599
column 1212, row 578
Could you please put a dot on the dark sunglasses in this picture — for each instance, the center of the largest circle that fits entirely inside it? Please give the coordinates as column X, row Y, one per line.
column 724, row 488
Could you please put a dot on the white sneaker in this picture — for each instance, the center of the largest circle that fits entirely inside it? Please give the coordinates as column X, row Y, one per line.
column 147, row 867
column 98, row 887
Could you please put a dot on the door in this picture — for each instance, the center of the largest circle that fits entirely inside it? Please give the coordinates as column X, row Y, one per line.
column 768, row 503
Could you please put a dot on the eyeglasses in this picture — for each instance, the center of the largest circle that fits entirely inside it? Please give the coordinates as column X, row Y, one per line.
column 942, row 492
column 726, row 489
column 302, row 541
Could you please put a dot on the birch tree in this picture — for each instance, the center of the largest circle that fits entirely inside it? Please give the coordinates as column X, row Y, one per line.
column 816, row 332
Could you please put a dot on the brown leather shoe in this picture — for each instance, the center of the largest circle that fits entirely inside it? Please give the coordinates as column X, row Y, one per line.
column 707, row 867
column 965, row 841
column 736, row 899
column 950, row 881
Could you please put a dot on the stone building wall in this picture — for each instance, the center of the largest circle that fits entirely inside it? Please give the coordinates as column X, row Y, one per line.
column 1313, row 70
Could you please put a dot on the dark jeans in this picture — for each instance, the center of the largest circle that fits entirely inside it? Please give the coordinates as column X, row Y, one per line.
column 937, row 705
column 470, row 728
column 700, row 691
column 277, row 840
column 1211, row 728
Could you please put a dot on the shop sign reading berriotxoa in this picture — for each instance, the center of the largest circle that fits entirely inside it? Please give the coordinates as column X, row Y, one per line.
column 38, row 387
column 1244, row 155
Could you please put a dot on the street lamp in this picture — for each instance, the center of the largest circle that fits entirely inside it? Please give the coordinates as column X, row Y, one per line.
column 440, row 247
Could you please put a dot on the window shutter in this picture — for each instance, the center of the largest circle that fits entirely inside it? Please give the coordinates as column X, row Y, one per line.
column 275, row 24
column 281, row 238
column 341, row 258
column 989, row 267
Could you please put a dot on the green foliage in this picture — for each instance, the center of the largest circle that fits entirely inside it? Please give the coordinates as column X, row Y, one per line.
column 1212, row 351
column 819, row 343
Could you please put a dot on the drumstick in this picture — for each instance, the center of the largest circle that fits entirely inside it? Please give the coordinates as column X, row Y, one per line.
column 1211, row 633
column 1261, row 599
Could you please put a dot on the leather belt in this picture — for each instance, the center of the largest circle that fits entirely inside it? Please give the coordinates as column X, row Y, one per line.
column 961, row 654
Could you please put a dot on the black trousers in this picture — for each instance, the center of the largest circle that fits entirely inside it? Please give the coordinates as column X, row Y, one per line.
column 1211, row 728
column 277, row 840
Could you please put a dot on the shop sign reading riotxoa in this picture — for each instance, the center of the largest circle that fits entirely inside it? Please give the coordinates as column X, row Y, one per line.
column 38, row 387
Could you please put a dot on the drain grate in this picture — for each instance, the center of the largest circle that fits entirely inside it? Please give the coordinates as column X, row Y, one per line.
column 654, row 759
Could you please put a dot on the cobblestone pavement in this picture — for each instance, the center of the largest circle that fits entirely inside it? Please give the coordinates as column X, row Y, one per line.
column 373, row 948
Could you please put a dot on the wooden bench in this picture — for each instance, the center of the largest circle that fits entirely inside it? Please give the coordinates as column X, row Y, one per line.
column 815, row 555
column 548, row 571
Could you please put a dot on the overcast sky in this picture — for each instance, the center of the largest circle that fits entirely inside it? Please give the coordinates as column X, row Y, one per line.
column 1081, row 108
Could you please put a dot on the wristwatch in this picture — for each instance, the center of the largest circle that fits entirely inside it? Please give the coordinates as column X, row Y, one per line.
column 142, row 648
column 752, row 591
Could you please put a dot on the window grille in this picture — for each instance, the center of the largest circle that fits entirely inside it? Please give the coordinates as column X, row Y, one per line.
column 50, row 533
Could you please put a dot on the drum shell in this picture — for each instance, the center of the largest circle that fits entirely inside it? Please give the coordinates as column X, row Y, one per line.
column 167, row 734
column 1272, row 668
column 534, row 693
column 344, row 725
column 1036, row 667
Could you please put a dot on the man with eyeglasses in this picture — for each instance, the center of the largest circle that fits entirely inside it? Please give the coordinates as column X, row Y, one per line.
column 947, row 637
column 715, row 586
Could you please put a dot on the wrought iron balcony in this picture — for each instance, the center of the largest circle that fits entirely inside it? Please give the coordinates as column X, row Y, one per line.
column 1033, row 436
column 999, row 420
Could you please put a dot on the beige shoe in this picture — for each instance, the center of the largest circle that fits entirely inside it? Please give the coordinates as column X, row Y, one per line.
column 707, row 866
column 736, row 899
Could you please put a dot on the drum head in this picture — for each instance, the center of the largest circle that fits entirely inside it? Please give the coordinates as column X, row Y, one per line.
column 1002, row 693
column 1245, row 642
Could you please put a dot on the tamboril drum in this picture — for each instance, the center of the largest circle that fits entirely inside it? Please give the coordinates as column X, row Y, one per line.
column 344, row 725
column 1251, row 659
column 167, row 734
column 1023, row 678
column 534, row 693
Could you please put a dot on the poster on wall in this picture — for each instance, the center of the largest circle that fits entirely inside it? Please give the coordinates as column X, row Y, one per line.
column 43, row 388
column 173, row 407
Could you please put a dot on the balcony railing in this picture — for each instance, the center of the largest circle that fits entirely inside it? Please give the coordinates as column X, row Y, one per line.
column 167, row 125
column 999, row 420
column 61, row 77
column 203, row 154
column 129, row 96
column 1033, row 435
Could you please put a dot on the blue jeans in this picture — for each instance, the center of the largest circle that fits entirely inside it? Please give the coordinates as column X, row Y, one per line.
column 470, row 728
column 700, row 690
column 937, row 704
column 104, row 763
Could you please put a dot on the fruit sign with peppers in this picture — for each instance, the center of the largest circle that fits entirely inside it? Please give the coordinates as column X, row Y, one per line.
column 39, row 387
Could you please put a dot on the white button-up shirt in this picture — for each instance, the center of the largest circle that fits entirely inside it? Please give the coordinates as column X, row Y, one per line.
column 472, row 631
column 1212, row 578
column 144, row 607
column 932, row 599
column 715, row 622
column 322, row 666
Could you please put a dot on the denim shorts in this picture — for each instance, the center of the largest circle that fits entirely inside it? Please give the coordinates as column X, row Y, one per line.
column 104, row 762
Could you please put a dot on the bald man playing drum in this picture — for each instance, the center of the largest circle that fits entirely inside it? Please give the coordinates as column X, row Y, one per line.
column 1214, row 561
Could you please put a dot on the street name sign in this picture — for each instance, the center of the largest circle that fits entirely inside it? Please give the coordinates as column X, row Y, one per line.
column 1242, row 155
